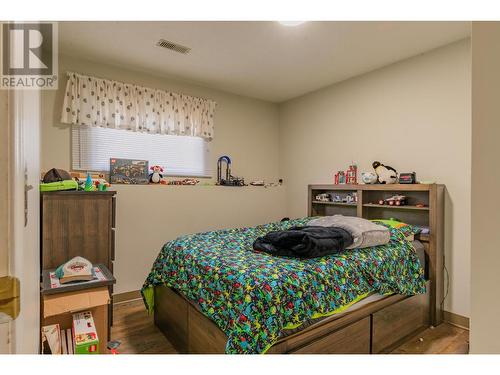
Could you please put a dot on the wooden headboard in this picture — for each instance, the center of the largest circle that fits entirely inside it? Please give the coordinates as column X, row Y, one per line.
column 367, row 206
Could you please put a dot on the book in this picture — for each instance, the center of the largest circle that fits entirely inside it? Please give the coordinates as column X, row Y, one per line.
column 51, row 339
column 69, row 340
column 63, row 342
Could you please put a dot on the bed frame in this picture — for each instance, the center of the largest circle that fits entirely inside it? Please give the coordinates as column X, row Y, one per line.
column 377, row 327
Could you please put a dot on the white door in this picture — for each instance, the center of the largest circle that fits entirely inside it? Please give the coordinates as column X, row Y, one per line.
column 23, row 253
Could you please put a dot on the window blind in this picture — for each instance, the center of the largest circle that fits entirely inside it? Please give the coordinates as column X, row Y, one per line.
column 93, row 147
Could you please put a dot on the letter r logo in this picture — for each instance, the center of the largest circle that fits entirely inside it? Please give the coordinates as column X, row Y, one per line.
column 27, row 49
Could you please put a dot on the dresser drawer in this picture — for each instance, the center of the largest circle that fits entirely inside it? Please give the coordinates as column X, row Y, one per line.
column 393, row 323
column 353, row 339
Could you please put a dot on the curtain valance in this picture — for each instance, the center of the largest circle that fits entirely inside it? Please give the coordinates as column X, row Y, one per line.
column 100, row 102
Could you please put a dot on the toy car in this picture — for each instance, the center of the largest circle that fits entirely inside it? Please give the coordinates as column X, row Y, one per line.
column 396, row 200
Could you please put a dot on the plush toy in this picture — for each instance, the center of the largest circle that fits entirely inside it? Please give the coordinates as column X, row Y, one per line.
column 156, row 176
column 369, row 177
column 386, row 174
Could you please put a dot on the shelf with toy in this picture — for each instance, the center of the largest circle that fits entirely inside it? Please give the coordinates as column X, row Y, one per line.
column 407, row 207
column 336, row 203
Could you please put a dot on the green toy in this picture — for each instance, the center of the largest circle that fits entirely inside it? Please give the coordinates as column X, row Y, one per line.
column 59, row 185
column 88, row 183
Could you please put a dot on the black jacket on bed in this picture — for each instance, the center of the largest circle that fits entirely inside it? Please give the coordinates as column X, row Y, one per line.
column 304, row 242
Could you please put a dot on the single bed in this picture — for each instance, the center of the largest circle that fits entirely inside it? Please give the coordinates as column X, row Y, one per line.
column 211, row 293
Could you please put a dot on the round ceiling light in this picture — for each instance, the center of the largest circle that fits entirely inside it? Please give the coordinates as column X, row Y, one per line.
column 291, row 23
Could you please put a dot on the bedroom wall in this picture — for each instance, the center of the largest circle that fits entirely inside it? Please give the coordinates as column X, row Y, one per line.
column 149, row 216
column 485, row 254
column 413, row 115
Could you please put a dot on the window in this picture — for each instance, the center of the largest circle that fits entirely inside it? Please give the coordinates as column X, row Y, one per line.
column 92, row 147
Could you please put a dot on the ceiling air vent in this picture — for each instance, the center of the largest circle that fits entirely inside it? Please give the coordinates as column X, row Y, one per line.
column 173, row 46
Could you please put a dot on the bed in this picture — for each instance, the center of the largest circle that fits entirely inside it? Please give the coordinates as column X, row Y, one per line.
column 211, row 293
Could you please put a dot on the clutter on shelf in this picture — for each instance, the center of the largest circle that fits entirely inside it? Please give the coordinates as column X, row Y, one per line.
column 395, row 200
column 408, row 178
column 350, row 176
column 385, row 174
column 369, row 178
column 350, row 198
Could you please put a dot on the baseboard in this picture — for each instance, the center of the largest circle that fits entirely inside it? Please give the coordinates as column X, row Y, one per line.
column 455, row 319
column 127, row 296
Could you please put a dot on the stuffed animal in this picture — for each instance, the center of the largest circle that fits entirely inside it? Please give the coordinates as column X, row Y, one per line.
column 386, row 174
column 156, row 176
column 369, row 177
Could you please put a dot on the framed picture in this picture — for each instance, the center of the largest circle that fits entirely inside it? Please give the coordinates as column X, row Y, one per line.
column 128, row 171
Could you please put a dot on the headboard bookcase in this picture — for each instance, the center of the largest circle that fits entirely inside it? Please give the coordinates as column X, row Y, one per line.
column 431, row 196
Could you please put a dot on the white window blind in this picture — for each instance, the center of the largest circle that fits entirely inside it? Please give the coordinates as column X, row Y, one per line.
column 93, row 147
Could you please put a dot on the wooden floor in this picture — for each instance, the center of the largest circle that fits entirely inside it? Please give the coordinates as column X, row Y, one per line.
column 138, row 334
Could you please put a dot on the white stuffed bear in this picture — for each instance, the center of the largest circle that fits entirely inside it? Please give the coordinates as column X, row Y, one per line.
column 386, row 174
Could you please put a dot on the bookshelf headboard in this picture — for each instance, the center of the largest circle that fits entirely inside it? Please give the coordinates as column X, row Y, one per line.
column 424, row 207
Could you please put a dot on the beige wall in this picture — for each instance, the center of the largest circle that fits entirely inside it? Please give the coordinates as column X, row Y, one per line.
column 485, row 252
column 246, row 129
column 414, row 116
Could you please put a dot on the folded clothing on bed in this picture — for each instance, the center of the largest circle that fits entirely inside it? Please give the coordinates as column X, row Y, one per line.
column 364, row 232
column 304, row 242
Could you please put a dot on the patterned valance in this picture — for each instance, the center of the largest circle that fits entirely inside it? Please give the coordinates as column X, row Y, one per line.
column 100, row 102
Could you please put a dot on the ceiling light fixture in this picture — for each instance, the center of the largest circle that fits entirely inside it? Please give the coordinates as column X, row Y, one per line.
column 291, row 23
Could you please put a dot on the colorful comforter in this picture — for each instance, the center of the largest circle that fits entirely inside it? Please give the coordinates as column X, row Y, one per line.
column 253, row 296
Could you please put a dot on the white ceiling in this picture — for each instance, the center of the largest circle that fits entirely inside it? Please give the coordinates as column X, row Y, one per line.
column 265, row 60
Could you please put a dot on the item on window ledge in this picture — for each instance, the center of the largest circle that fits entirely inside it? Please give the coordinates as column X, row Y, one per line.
column 258, row 183
column 352, row 174
column 385, row 174
column 128, row 171
column 76, row 269
column 340, row 178
column 186, row 181
column 369, row 178
column 156, row 175
column 395, row 200
column 229, row 179
column 408, row 178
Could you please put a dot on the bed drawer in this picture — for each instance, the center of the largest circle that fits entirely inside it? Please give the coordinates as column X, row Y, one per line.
column 353, row 339
column 393, row 323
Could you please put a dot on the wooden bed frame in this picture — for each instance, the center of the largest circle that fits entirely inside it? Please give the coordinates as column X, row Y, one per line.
column 377, row 327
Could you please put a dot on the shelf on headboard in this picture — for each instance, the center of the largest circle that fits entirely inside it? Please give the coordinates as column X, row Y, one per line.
column 430, row 215
column 336, row 203
column 407, row 207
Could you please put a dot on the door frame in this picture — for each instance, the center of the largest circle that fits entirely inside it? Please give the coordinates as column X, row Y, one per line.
column 24, row 249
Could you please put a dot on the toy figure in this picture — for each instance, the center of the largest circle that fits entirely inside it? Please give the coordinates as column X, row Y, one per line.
column 156, row 176
column 386, row 174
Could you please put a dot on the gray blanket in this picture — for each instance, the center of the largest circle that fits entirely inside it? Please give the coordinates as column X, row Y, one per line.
column 364, row 232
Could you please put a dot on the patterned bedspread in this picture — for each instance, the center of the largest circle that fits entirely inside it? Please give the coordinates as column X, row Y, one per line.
column 253, row 296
